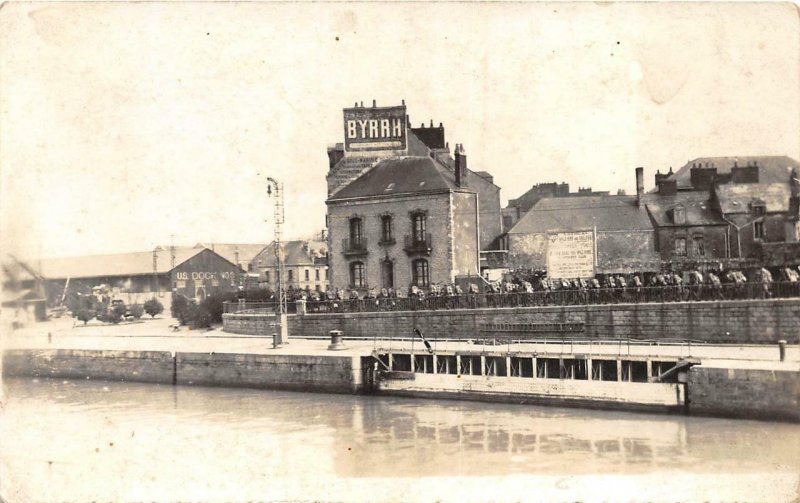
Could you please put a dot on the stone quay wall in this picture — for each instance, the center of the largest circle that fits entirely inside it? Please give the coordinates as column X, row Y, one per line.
column 747, row 393
column 139, row 366
column 323, row 373
column 727, row 322
column 334, row 374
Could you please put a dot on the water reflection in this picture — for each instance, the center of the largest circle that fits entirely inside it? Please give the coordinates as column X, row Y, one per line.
column 65, row 429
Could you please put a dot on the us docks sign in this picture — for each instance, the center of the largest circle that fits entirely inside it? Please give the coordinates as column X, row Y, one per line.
column 376, row 128
column 570, row 255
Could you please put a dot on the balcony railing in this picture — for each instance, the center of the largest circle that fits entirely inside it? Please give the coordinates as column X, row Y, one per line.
column 418, row 244
column 353, row 247
column 387, row 241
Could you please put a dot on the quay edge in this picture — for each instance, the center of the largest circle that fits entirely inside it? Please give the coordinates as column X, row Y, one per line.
column 752, row 393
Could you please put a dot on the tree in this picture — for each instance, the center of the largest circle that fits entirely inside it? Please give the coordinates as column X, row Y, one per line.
column 153, row 307
column 137, row 311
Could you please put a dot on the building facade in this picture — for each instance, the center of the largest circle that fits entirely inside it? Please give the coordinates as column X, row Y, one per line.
column 401, row 211
column 305, row 266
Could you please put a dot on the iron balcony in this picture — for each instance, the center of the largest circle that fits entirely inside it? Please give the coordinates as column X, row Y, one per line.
column 354, row 247
column 418, row 245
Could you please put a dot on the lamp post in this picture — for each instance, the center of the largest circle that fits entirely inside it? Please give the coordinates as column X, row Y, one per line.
column 275, row 189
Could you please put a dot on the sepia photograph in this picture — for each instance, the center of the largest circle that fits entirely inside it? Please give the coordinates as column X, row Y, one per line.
column 399, row 251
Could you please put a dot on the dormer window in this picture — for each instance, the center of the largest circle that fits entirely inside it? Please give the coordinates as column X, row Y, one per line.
column 759, row 209
column 679, row 215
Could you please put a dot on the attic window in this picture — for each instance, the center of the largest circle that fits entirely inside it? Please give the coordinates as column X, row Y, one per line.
column 759, row 209
column 389, row 187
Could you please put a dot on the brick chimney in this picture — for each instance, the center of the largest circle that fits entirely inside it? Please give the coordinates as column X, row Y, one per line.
column 639, row 186
column 460, row 166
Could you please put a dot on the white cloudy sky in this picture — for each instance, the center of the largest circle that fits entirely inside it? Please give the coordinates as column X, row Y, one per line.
column 124, row 123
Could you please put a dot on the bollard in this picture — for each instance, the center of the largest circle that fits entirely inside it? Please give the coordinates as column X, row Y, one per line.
column 274, row 340
column 336, row 341
column 782, row 349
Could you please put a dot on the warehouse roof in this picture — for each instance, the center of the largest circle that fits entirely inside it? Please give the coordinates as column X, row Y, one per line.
column 605, row 213
column 246, row 251
column 117, row 264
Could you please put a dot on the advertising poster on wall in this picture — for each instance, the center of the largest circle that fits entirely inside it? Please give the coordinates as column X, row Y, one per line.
column 570, row 255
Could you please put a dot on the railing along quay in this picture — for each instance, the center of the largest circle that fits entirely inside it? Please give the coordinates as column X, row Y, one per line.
column 563, row 297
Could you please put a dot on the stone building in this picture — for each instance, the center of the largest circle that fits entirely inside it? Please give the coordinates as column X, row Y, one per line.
column 727, row 208
column 620, row 237
column 305, row 265
column 401, row 210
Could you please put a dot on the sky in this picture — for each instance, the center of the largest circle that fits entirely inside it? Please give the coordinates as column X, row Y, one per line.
column 128, row 125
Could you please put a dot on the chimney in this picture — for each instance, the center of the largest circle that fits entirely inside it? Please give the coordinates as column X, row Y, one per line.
column 460, row 166
column 639, row 186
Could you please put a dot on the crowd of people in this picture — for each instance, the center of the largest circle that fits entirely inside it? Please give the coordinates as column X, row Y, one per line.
column 531, row 288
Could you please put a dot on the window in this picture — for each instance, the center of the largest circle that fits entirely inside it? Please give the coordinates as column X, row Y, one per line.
column 759, row 210
column 291, row 275
column 680, row 247
column 357, row 275
column 316, row 274
column 758, row 230
column 266, row 276
column 356, row 231
column 680, row 214
column 419, row 271
column 387, row 274
column 307, row 275
column 699, row 247
column 386, row 229
column 419, row 222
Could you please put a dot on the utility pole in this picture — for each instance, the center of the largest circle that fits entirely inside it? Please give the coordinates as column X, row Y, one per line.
column 275, row 189
column 155, row 271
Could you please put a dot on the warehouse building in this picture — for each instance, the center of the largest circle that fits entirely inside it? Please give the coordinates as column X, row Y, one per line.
column 136, row 277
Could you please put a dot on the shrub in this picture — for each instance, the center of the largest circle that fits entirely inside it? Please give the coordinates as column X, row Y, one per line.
column 212, row 305
column 180, row 309
column 116, row 313
column 153, row 307
column 85, row 315
column 201, row 318
column 137, row 311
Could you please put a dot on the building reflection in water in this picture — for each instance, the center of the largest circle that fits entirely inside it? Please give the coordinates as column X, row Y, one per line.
column 372, row 436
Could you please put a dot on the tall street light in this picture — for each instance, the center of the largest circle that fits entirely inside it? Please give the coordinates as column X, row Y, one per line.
column 275, row 190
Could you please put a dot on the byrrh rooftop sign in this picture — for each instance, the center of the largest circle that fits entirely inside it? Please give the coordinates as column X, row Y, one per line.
column 375, row 128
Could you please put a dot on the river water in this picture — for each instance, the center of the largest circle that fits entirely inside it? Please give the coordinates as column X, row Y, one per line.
column 101, row 441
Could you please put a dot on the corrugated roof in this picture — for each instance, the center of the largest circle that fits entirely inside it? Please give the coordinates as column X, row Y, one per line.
column 606, row 213
column 771, row 169
column 247, row 251
column 736, row 198
column 698, row 208
column 400, row 175
column 294, row 253
column 117, row 264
